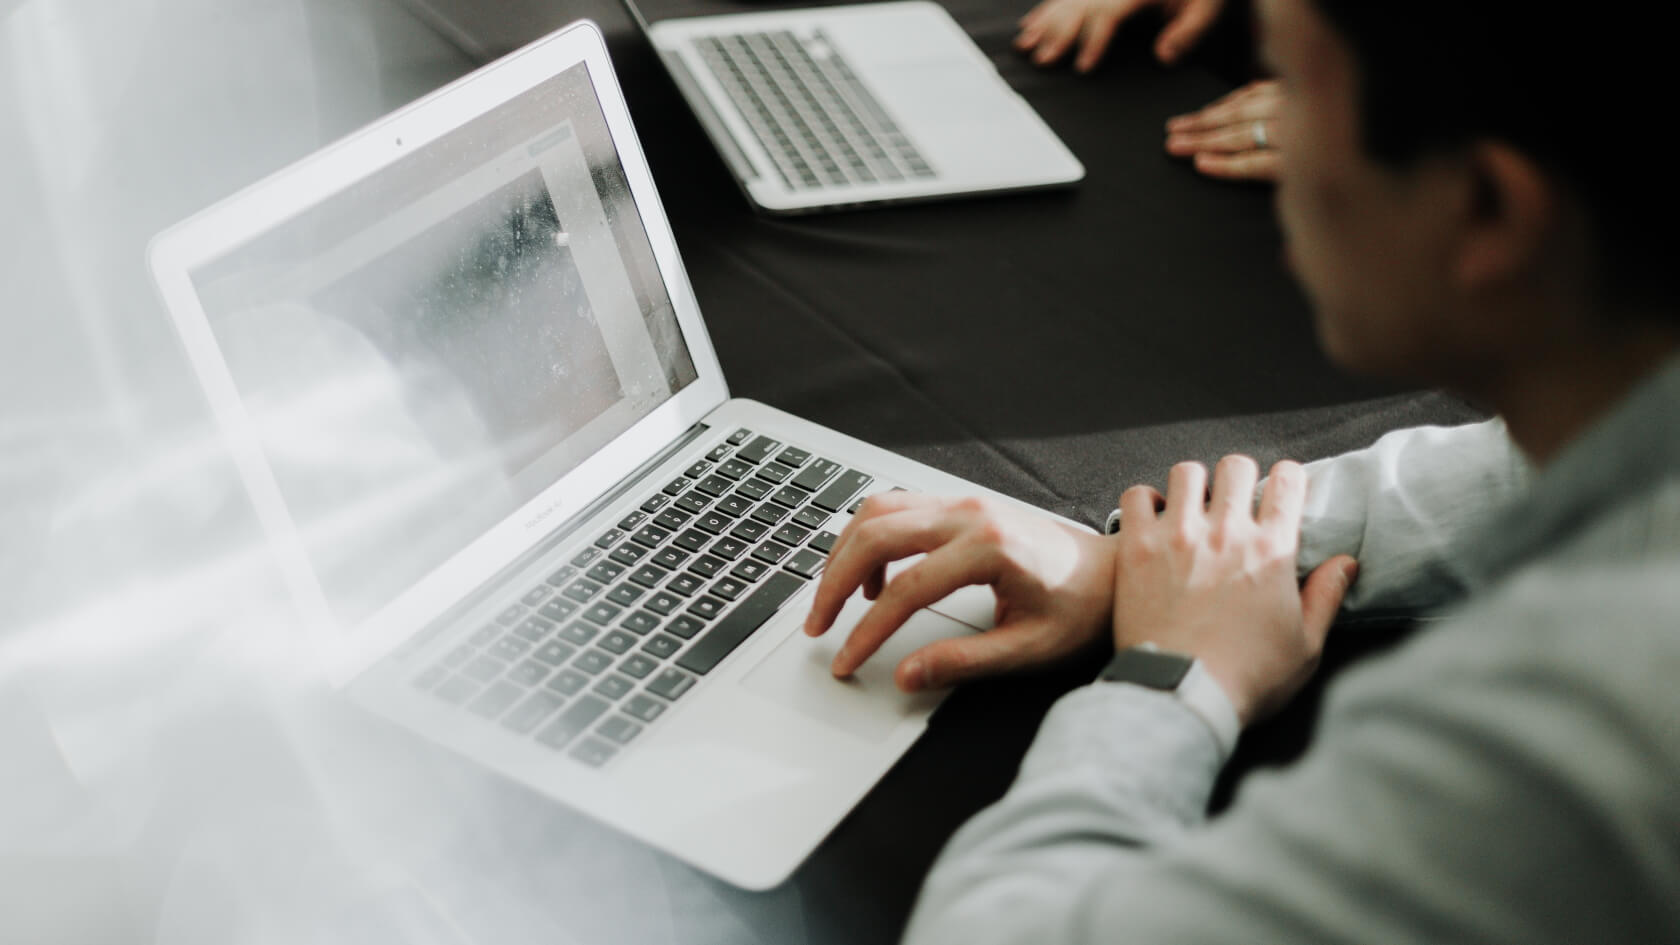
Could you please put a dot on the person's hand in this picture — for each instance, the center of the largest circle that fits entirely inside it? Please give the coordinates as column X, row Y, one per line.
column 1211, row 577
column 1050, row 29
column 1232, row 137
column 1053, row 584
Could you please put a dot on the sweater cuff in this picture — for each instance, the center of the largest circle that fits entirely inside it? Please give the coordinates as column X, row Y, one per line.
column 1148, row 743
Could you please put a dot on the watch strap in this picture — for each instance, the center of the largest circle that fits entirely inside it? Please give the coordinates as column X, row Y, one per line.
column 1187, row 680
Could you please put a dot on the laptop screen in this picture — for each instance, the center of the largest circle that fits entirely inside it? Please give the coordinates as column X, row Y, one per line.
column 423, row 352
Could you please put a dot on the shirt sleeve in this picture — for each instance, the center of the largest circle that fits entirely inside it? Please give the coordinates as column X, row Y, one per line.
column 1402, row 506
column 1505, row 779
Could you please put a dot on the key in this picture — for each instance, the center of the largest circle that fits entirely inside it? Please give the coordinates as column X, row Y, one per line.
column 671, row 684
column 643, row 707
column 568, row 682
column 592, row 752
column 649, row 575
column 496, row 700
column 814, row 476
column 756, row 451
column 835, row 496
column 805, row 563
column 572, row 722
column 605, row 572
column 532, row 711
column 710, row 649
column 650, row 535
column 619, row 729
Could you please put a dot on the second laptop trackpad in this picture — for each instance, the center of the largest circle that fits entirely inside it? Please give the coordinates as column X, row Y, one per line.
column 868, row 705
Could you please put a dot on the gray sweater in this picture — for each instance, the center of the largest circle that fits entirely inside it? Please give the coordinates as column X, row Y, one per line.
column 1511, row 774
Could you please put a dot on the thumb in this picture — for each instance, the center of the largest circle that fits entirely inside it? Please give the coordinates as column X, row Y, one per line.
column 947, row 662
column 1186, row 29
column 1322, row 595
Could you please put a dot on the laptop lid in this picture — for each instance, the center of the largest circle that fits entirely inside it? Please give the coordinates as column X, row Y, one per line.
column 432, row 343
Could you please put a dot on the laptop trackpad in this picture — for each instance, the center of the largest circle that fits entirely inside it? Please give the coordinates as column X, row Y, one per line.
column 868, row 705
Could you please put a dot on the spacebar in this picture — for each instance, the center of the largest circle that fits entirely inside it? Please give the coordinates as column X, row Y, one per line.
column 738, row 624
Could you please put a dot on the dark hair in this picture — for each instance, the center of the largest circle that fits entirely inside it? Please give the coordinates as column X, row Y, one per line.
column 1582, row 94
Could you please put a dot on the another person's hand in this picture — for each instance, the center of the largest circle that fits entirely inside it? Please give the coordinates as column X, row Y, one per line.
column 1232, row 137
column 1050, row 29
column 1054, row 585
column 1213, row 578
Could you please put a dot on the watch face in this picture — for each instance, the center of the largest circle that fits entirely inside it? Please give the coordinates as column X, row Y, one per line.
column 1154, row 669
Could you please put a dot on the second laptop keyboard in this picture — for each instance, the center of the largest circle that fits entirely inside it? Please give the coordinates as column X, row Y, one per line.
column 818, row 122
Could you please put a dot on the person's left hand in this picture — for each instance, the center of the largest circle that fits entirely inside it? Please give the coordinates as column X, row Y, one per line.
column 1211, row 577
column 1232, row 138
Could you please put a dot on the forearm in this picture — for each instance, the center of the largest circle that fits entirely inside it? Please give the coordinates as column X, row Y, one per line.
column 1504, row 784
column 1115, row 769
column 1403, row 505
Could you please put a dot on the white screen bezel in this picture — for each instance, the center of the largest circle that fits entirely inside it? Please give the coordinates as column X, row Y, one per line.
column 347, row 650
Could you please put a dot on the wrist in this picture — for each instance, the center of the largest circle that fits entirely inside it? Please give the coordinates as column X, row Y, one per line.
column 1185, row 678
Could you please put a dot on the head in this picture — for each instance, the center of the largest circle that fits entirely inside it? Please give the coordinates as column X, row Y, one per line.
column 1460, row 183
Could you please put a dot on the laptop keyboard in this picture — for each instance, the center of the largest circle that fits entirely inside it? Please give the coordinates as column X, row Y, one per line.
column 817, row 121
column 589, row 657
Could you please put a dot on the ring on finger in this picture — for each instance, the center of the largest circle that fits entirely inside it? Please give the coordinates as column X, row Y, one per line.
column 1261, row 139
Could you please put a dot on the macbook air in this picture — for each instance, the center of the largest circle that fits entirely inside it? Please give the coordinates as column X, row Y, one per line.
column 467, row 386
column 844, row 106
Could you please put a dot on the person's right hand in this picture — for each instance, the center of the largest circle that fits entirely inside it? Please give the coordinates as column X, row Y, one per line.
column 1054, row 585
column 1051, row 28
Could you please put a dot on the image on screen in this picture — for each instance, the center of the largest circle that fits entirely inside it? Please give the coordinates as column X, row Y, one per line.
column 427, row 350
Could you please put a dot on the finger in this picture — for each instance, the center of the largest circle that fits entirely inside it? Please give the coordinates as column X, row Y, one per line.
column 1032, row 16
column 1059, row 34
column 1322, row 595
column 873, row 543
column 1186, row 492
column 1233, row 490
column 1281, row 502
column 1098, row 31
column 928, row 580
column 1140, row 504
column 876, row 506
column 948, row 662
column 1248, row 165
column 1245, row 102
column 1229, row 139
column 1032, row 30
column 1186, row 29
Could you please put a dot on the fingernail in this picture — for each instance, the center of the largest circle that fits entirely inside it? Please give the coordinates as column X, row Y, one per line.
column 1351, row 572
column 915, row 673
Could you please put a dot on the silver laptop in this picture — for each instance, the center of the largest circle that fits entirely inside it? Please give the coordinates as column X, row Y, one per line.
column 833, row 107
column 463, row 376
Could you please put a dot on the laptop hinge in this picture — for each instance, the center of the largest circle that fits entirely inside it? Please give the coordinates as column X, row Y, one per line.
column 549, row 542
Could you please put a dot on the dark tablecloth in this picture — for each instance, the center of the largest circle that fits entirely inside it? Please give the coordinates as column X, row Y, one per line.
column 1056, row 346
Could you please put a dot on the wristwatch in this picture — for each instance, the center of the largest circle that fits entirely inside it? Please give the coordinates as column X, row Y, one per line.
column 1183, row 676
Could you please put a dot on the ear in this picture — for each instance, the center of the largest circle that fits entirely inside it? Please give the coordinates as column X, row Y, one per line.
column 1513, row 215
